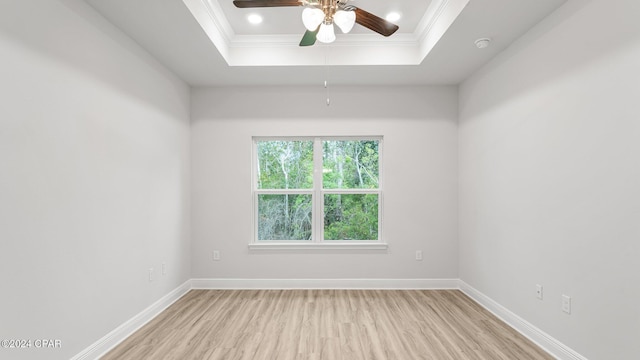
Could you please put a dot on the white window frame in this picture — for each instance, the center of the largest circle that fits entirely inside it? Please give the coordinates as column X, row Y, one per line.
column 317, row 200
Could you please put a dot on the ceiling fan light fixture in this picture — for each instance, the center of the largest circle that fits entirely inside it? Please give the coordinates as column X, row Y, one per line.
column 312, row 18
column 345, row 20
column 327, row 33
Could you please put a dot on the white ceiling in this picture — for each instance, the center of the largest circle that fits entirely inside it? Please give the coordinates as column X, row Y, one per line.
column 200, row 51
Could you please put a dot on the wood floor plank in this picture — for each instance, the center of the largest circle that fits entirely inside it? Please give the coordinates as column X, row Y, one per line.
column 326, row 324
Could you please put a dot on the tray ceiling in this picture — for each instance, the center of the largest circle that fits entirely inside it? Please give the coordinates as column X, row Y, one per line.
column 211, row 43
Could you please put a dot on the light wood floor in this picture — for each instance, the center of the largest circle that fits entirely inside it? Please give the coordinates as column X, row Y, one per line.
column 326, row 324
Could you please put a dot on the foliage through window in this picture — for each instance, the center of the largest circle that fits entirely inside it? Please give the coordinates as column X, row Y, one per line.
column 317, row 189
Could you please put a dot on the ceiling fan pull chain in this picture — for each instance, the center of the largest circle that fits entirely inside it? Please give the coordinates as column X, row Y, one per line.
column 327, row 92
column 326, row 76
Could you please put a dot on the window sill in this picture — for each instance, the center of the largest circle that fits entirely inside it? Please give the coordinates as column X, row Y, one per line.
column 316, row 247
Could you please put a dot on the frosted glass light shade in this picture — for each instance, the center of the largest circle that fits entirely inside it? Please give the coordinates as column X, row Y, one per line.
column 311, row 18
column 345, row 20
column 326, row 33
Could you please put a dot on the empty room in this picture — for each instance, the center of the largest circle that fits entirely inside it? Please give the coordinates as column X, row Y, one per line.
column 319, row 179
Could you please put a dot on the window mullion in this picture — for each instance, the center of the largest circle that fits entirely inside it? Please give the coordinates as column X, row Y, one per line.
column 318, row 200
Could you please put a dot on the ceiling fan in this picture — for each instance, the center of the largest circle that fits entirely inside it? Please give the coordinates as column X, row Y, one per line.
column 319, row 16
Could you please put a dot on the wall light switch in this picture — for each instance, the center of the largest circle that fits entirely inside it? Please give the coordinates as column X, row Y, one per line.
column 419, row 255
column 216, row 255
column 151, row 274
column 539, row 291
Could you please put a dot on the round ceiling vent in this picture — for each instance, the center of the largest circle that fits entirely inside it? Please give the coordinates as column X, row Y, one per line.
column 483, row 43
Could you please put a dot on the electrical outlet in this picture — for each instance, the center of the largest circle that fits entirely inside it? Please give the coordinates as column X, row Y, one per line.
column 419, row 255
column 164, row 269
column 151, row 274
column 566, row 304
column 539, row 291
column 216, row 255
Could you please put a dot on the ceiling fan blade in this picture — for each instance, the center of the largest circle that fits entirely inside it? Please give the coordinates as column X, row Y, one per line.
column 266, row 3
column 309, row 38
column 375, row 23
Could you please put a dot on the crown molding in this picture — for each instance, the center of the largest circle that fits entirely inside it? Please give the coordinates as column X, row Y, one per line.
column 267, row 41
column 283, row 50
column 431, row 16
column 436, row 22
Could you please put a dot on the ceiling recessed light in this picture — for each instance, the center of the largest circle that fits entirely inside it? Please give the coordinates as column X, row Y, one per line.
column 254, row 19
column 393, row 16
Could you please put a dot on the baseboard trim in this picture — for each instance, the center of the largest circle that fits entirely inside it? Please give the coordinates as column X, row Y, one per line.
column 115, row 337
column 542, row 339
column 396, row 284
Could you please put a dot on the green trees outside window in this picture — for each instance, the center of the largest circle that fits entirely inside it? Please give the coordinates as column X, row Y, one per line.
column 349, row 164
column 337, row 177
column 285, row 164
column 284, row 217
column 351, row 217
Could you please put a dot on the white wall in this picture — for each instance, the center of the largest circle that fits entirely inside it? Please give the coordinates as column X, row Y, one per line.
column 550, row 177
column 420, row 177
column 94, row 176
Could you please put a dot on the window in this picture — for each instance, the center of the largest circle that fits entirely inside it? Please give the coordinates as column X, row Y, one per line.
column 317, row 191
